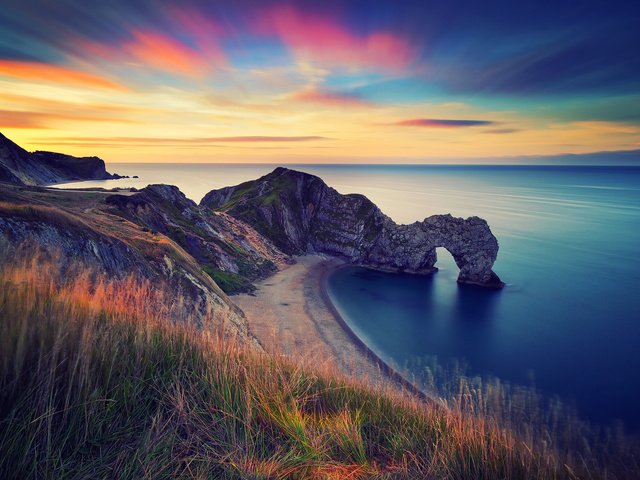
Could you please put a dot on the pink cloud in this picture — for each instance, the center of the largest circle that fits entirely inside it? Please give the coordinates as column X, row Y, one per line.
column 443, row 123
column 338, row 99
column 325, row 40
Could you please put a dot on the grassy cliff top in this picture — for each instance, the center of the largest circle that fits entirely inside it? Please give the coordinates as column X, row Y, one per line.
column 95, row 384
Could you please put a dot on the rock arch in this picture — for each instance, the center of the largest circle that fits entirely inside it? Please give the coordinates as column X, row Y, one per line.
column 301, row 214
column 471, row 244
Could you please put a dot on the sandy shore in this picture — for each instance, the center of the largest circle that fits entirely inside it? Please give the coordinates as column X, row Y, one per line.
column 291, row 315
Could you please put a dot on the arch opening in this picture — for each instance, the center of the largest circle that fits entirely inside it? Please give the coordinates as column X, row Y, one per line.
column 446, row 264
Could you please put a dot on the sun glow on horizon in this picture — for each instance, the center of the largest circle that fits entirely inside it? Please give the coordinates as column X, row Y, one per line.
column 271, row 81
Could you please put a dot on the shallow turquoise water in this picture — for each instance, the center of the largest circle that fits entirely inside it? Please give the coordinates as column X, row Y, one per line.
column 569, row 318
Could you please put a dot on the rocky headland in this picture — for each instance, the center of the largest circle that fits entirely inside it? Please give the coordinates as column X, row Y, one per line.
column 17, row 166
column 301, row 214
column 71, row 229
column 232, row 252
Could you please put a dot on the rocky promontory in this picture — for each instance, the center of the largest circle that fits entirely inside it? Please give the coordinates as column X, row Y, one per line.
column 300, row 214
column 77, row 229
column 19, row 167
column 229, row 250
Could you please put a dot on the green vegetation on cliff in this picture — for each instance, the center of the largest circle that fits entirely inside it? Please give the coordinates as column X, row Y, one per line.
column 229, row 282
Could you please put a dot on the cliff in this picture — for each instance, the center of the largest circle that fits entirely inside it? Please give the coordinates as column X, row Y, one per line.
column 76, row 228
column 230, row 251
column 301, row 214
column 19, row 167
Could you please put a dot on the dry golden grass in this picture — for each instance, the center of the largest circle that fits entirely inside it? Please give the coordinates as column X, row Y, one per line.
column 94, row 383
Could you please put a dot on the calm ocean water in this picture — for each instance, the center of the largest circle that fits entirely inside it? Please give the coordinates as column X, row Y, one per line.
column 569, row 318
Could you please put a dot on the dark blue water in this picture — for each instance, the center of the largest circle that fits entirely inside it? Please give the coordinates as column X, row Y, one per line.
column 569, row 318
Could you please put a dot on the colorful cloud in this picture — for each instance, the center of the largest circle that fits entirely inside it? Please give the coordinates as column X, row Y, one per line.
column 150, row 49
column 58, row 74
column 325, row 40
column 329, row 98
column 443, row 123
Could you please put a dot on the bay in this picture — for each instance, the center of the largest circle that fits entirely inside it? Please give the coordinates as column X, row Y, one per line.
column 568, row 320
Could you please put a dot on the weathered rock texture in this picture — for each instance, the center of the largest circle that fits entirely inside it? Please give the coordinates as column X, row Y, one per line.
column 232, row 252
column 19, row 167
column 75, row 229
column 301, row 214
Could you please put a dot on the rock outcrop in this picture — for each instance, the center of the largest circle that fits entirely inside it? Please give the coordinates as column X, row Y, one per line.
column 301, row 214
column 75, row 229
column 19, row 167
column 229, row 250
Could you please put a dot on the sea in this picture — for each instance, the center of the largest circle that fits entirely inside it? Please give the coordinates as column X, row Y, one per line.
column 568, row 321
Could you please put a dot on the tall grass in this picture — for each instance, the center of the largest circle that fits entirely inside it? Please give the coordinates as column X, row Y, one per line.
column 95, row 384
column 545, row 423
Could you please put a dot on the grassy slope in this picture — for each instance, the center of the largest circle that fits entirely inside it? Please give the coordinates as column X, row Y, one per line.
column 93, row 384
column 89, row 207
column 80, row 213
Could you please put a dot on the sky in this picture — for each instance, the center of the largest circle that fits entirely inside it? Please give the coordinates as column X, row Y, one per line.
column 372, row 81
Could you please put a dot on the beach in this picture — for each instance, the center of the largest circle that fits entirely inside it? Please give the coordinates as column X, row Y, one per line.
column 291, row 315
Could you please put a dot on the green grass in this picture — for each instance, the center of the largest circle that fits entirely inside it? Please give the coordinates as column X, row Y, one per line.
column 230, row 283
column 240, row 191
column 95, row 384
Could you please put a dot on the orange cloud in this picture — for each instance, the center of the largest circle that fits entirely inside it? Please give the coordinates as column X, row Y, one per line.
column 164, row 53
column 43, row 120
column 29, row 103
column 13, row 119
column 26, row 70
column 325, row 40
column 161, row 52
column 336, row 99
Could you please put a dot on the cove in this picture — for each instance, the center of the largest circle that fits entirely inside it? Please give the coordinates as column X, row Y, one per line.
column 407, row 320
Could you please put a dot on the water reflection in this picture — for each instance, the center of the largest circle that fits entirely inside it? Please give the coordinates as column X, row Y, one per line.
column 475, row 304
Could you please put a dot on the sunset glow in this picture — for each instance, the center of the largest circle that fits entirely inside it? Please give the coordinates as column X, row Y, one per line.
column 265, row 81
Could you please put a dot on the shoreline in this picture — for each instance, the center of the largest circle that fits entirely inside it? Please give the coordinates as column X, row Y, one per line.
column 384, row 366
column 291, row 314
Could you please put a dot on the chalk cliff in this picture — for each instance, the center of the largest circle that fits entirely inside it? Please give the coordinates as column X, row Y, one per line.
column 301, row 214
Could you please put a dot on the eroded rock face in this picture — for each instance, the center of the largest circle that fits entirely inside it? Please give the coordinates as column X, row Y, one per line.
column 110, row 245
column 301, row 214
column 229, row 250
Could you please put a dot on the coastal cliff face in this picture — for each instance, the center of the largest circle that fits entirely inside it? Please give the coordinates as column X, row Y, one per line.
column 230, row 251
column 37, row 221
column 301, row 214
column 19, row 167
